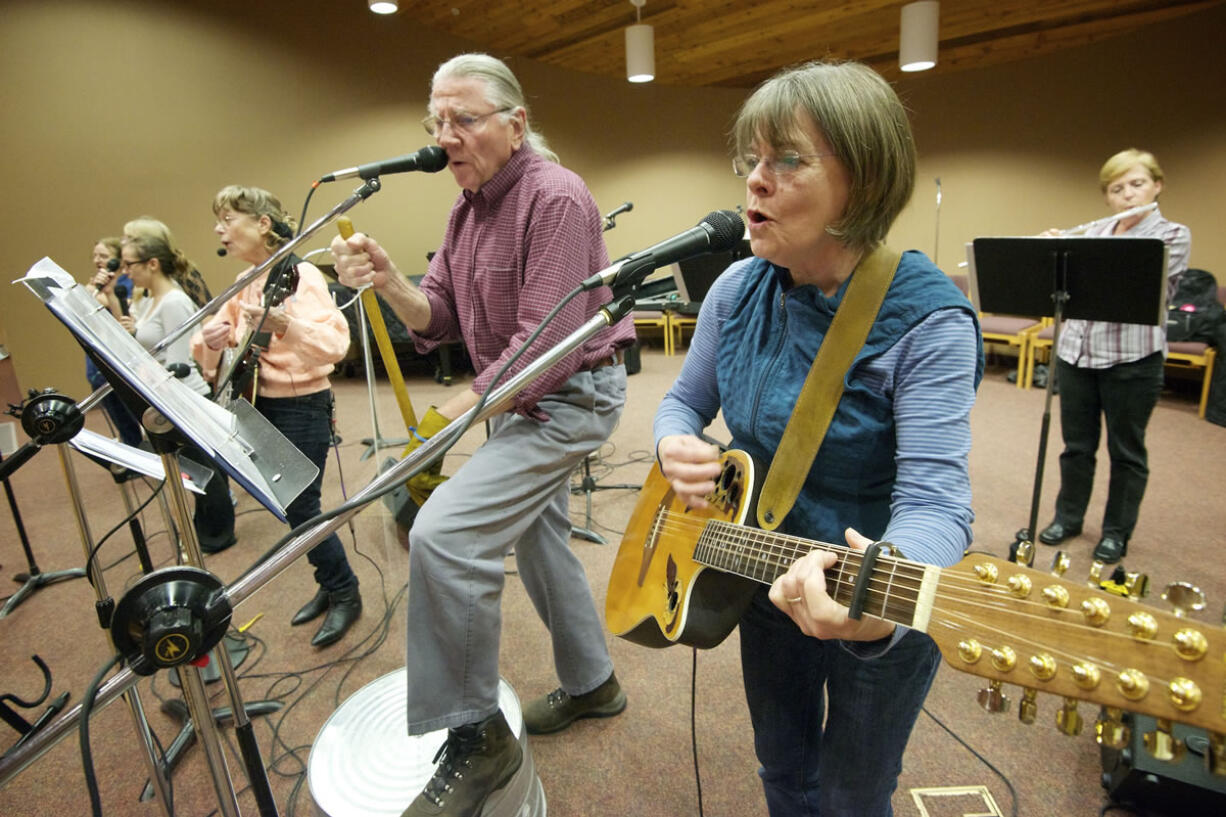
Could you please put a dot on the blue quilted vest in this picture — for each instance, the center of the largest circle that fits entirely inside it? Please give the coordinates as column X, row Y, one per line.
column 766, row 347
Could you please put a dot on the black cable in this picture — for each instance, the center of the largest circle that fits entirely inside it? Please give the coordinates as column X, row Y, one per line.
column 87, row 755
column 121, row 524
column 694, row 723
column 982, row 759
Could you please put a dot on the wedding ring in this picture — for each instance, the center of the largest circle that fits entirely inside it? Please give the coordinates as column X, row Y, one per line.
column 796, row 600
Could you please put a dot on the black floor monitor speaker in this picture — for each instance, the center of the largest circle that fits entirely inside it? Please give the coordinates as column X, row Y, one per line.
column 1132, row 775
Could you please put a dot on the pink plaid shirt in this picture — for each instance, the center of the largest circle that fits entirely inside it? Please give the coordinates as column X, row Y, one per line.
column 512, row 250
column 1098, row 344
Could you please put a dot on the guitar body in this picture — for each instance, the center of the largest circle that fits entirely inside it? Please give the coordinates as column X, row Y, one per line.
column 658, row 594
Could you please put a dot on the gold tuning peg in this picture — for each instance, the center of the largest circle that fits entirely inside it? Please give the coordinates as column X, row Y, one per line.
column 1060, row 563
column 1184, row 597
column 1110, row 730
column 1027, row 708
column 1162, row 745
column 1216, row 758
column 1067, row 719
column 992, row 698
column 1137, row 585
column 1095, row 579
column 1024, row 552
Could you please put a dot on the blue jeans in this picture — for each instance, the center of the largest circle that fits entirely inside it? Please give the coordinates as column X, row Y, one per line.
column 306, row 421
column 851, row 766
column 127, row 424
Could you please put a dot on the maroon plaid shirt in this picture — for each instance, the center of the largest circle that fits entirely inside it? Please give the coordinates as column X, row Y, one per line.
column 512, row 250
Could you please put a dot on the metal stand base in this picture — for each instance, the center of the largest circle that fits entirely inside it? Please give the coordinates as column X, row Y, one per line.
column 37, row 581
column 588, row 486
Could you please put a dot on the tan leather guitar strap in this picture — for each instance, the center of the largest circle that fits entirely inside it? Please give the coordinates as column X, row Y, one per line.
column 824, row 385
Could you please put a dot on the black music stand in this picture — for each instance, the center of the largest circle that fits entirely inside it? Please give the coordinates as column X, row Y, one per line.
column 1118, row 280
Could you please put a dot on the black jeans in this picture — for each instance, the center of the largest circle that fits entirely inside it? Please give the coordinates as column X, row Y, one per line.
column 306, row 421
column 1125, row 395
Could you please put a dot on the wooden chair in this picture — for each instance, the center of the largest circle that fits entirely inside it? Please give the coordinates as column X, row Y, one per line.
column 1014, row 332
column 655, row 320
column 678, row 323
column 1194, row 355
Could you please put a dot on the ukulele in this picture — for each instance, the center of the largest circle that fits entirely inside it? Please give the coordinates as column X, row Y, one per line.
column 685, row 576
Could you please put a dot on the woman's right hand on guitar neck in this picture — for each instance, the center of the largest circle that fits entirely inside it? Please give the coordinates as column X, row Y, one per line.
column 690, row 466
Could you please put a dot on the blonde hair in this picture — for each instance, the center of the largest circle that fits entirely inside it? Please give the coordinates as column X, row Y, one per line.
column 257, row 202
column 502, row 90
column 112, row 244
column 866, row 125
column 1125, row 160
column 152, row 237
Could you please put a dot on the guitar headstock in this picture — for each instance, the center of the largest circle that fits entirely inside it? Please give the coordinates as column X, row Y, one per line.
column 1016, row 625
column 281, row 284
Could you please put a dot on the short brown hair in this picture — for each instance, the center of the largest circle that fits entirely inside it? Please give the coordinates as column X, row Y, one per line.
column 257, row 202
column 866, row 125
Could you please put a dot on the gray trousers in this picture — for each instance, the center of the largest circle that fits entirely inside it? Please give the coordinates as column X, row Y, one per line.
column 513, row 494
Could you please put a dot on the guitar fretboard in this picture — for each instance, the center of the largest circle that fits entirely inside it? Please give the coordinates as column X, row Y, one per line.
column 894, row 585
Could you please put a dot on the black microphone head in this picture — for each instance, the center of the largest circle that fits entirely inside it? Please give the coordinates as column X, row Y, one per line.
column 222, row 252
column 179, row 370
column 726, row 229
column 431, row 159
column 112, row 264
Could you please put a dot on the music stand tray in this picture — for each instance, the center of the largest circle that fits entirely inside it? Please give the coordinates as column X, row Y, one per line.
column 1121, row 280
column 250, row 449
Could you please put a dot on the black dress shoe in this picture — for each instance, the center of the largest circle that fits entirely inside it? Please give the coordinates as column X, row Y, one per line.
column 313, row 609
column 1057, row 532
column 211, row 548
column 1110, row 550
column 344, row 607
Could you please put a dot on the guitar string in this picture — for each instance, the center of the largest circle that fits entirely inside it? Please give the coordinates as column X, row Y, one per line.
column 968, row 579
column 668, row 522
column 768, row 556
column 1106, row 664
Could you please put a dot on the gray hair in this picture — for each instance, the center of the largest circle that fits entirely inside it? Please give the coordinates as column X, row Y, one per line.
column 866, row 125
column 502, row 90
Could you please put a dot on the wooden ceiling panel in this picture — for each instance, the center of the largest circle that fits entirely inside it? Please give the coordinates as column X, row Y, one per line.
column 737, row 43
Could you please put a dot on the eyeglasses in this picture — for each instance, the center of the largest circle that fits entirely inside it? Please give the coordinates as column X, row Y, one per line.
column 784, row 164
column 460, row 123
column 125, row 263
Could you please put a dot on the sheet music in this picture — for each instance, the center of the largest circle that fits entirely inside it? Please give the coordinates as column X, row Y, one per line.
column 244, row 443
column 93, row 444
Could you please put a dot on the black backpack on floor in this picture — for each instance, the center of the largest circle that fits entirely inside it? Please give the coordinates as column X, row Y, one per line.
column 1194, row 313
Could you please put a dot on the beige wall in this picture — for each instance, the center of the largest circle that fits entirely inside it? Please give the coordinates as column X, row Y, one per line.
column 114, row 109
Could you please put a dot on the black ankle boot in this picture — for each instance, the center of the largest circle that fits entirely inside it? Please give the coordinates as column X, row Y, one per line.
column 477, row 760
column 313, row 609
column 344, row 607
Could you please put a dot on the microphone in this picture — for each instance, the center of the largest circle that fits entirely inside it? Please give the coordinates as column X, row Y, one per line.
column 179, row 370
column 430, row 159
column 112, row 264
column 609, row 222
column 123, row 301
column 221, row 252
column 720, row 231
